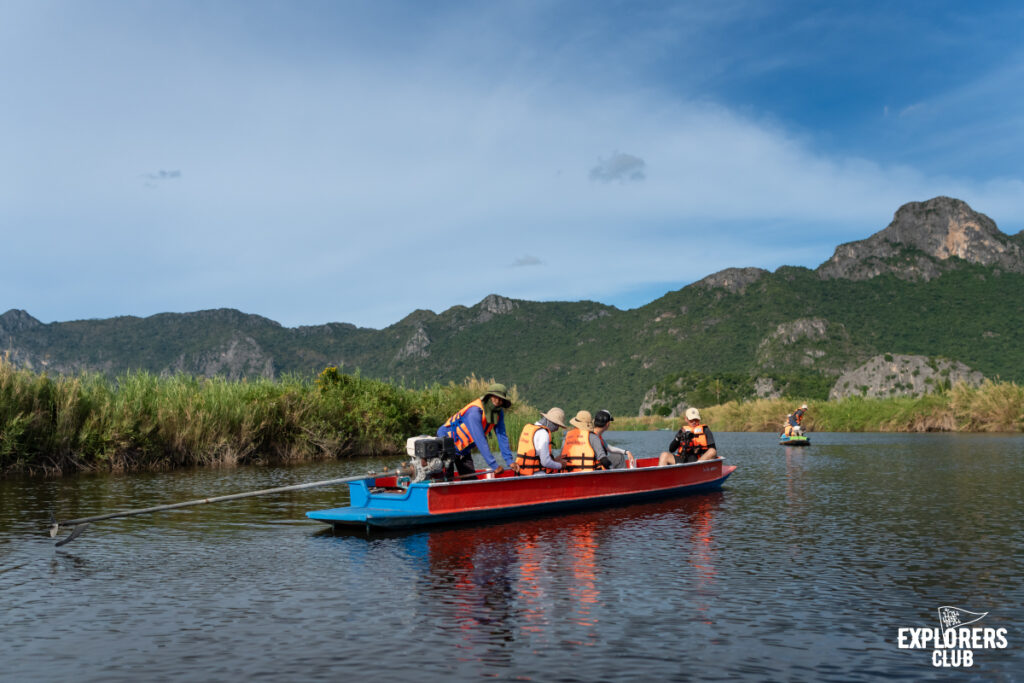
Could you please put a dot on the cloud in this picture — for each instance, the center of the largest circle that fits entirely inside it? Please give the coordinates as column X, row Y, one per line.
column 527, row 260
column 164, row 175
column 312, row 164
column 619, row 166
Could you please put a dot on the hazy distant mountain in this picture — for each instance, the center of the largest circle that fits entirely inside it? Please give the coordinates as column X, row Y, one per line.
column 940, row 281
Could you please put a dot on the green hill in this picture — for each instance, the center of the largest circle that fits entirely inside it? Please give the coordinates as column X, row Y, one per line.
column 941, row 280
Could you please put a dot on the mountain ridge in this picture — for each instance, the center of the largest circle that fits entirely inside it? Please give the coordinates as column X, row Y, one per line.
column 791, row 328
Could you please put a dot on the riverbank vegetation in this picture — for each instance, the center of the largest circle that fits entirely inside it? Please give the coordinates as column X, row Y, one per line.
column 992, row 407
column 140, row 421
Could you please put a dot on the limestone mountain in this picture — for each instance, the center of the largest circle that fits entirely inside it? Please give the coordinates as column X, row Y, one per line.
column 926, row 239
column 939, row 281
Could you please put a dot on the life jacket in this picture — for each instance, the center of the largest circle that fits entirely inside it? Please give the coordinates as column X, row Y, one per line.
column 576, row 447
column 698, row 445
column 799, row 415
column 459, row 430
column 526, row 456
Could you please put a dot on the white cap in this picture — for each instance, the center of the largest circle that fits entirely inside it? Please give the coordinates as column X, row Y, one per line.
column 692, row 414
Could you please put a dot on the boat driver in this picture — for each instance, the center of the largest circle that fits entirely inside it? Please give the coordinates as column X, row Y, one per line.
column 470, row 426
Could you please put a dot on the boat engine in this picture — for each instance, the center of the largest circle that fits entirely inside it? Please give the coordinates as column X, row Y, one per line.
column 429, row 455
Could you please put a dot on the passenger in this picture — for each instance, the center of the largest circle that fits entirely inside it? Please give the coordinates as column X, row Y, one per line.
column 470, row 426
column 793, row 420
column 614, row 457
column 584, row 447
column 692, row 443
column 534, row 451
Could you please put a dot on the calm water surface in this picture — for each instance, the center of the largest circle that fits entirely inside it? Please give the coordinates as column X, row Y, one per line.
column 803, row 567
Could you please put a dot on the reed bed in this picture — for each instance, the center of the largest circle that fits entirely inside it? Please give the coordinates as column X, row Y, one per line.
column 140, row 421
column 992, row 407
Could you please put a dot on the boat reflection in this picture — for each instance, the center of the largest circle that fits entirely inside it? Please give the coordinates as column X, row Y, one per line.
column 546, row 581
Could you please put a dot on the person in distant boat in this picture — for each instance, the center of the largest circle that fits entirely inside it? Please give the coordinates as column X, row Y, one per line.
column 534, row 451
column 693, row 442
column 470, row 426
column 793, row 421
column 613, row 457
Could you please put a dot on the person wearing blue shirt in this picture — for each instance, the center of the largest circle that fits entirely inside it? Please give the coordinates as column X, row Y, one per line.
column 470, row 426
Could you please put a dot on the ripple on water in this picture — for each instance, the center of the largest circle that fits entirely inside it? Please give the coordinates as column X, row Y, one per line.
column 801, row 569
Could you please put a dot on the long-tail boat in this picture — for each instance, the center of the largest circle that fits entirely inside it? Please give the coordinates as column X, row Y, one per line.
column 389, row 502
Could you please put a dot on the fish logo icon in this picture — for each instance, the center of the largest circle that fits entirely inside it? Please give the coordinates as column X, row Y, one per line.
column 954, row 617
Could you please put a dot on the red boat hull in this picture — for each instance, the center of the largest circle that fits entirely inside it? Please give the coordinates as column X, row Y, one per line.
column 376, row 502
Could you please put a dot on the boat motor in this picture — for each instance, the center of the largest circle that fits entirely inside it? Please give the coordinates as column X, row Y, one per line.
column 429, row 455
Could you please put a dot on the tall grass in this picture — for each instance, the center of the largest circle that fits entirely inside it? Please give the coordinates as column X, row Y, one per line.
column 140, row 421
column 992, row 407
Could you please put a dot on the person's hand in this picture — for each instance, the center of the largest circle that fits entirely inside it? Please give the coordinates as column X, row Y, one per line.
column 629, row 454
column 499, row 469
column 514, row 467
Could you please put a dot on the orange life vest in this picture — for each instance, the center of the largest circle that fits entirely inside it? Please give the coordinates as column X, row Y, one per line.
column 576, row 447
column 459, row 430
column 697, row 445
column 527, row 457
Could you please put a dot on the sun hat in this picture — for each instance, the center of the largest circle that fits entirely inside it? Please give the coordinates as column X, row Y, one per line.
column 499, row 390
column 556, row 415
column 583, row 420
column 803, row 407
column 692, row 414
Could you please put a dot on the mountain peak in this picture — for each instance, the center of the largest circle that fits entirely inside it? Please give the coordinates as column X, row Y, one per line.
column 920, row 241
column 17, row 320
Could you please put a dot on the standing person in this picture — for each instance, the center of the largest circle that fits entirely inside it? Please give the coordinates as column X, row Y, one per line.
column 693, row 442
column 470, row 426
column 534, row 451
column 612, row 457
column 793, row 421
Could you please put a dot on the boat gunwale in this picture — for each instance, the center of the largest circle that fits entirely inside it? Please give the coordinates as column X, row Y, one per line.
column 547, row 475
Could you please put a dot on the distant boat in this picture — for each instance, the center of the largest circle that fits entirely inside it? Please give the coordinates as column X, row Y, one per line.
column 794, row 440
column 379, row 502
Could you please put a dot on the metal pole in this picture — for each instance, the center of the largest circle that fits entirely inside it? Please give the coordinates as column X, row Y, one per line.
column 55, row 527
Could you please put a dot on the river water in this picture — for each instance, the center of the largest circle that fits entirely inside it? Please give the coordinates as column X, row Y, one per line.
column 804, row 567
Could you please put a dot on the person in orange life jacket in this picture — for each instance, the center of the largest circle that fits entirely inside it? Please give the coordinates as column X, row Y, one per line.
column 613, row 457
column 794, row 419
column 691, row 443
column 470, row 426
column 534, row 451
column 584, row 447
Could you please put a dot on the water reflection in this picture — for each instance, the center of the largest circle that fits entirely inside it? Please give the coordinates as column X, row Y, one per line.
column 801, row 569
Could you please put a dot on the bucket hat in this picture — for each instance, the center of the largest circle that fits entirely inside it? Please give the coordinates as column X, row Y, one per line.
column 584, row 420
column 499, row 390
column 557, row 416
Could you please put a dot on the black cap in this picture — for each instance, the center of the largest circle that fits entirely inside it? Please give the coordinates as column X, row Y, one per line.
column 602, row 417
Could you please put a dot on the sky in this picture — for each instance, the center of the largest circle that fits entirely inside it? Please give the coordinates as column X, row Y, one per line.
column 347, row 161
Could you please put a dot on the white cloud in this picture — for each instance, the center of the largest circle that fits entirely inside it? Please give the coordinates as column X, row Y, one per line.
column 355, row 187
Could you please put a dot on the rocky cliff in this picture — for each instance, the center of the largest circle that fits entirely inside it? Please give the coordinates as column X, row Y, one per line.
column 924, row 240
column 902, row 375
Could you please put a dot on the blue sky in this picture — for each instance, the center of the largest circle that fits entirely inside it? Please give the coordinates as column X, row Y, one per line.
column 354, row 161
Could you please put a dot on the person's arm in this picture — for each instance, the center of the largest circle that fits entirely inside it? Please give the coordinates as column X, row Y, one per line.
column 674, row 446
column 506, row 450
column 473, row 419
column 542, row 443
column 711, row 452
